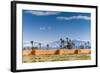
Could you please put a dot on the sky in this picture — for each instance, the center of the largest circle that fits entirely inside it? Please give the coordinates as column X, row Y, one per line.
column 49, row 26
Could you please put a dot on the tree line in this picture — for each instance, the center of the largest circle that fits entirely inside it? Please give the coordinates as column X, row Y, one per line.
column 64, row 44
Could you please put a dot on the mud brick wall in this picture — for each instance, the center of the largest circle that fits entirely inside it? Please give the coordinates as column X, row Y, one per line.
column 26, row 52
column 61, row 52
column 84, row 51
column 44, row 52
column 56, row 52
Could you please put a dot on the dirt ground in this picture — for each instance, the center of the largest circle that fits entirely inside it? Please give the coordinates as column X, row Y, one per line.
column 52, row 58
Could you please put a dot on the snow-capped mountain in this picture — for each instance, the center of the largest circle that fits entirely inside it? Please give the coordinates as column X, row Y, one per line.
column 56, row 45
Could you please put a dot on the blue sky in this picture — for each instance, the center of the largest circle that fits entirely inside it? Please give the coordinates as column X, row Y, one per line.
column 47, row 26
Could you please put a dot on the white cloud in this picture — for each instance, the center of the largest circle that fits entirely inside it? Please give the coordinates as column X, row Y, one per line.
column 49, row 28
column 42, row 13
column 42, row 28
column 45, row 28
column 74, row 17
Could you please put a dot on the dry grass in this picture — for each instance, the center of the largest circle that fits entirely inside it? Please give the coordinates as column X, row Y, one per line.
column 48, row 58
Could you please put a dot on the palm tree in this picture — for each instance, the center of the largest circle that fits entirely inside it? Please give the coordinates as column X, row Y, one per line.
column 24, row 48
column 67, row 39
column 73, row 44
column 61, row 43
column 85, row 45
column 61, row 39
column 40, row 45
column 81, row 47
column 88, row 43
column 47, row 46
column 32, row 44
column 69, row 44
